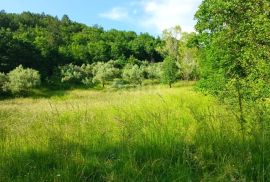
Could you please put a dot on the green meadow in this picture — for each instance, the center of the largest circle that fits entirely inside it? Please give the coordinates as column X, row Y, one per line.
column 149, row 133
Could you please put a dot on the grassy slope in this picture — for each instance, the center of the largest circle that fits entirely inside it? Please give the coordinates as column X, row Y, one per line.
column 146, row 134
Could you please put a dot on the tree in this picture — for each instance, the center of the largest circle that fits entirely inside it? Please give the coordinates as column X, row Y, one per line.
column 170, row 50
column 20, row 80
column 133, row 74
column 233, row 48
column 104, row 72
column 169, row 71
column 236, row 42
column 71, row 74
column 154, row 71
column 144, row 47
column 171, row 42
column 189, row 55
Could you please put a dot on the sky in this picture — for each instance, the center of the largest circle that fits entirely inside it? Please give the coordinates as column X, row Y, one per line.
column 150, row 16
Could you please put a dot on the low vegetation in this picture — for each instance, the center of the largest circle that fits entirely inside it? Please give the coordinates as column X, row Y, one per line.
column 140, row 134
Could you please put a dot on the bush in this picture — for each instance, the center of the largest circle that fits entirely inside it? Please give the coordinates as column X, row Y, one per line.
column 87, row 70
column 133, row 74
column 118, row 83
column 21, row 80
column 71, row 74
column 104, row 72
column 154, row 71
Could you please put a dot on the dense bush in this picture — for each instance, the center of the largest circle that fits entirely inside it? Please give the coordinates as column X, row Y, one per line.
column 20, row 80
column 71, row 73
column 154, row 71
column 104, row 72
column 119, row 83
column 87, row 70
column 133, row 74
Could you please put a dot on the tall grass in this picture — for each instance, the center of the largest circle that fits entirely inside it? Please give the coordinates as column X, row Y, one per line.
column 147, row 134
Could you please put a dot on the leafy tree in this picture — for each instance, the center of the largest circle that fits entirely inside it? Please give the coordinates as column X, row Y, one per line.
column 65, row 20
column 171, row 42
column 230, row 42
column 104, row 72
column 133, row 74
column 14, row 52
column 88, row 74
column 154, row 71
column 71, row 73
column 144, row 47
column 236, row 42
column 20, row 80
column 169, row 71
column 189, row 56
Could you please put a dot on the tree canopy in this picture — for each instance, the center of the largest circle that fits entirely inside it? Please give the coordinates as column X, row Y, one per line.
column 234, row 35
column 44, row 42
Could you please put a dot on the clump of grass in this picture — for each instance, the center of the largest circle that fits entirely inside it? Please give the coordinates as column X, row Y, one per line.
column 150, row 133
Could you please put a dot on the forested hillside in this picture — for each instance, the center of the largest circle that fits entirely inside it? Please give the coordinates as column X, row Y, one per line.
column 38, row 49
column 43, row 42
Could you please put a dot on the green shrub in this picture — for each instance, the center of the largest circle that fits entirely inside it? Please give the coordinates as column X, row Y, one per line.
column 154, row 71
column 87, row 79
column 71, row 74
column 21, row 80
column 118, row 83
column 133, row 74
column 104, row 72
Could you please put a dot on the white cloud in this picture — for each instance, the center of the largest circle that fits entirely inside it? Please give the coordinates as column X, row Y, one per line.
column 156, row 15
column 162, row 14
column 117, row 13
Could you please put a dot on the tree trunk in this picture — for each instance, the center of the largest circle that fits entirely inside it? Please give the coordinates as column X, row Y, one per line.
column 240, row 105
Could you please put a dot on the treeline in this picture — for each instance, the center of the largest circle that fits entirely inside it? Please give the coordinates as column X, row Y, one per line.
column 43, row 42
column 67, row 53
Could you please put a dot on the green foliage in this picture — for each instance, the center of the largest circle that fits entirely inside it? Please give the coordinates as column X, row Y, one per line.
column 104, row 72
column 71, row 74
column 171, row 42
column 119, row 83
column 177, row 45
column 235, row 38
column 189, row 57
column 133, row 74
column 154, row 71
column 43, row 42
column 87, row 70
column 145, row 134
column 20, row 80
column 169, row 70
column 3, row 82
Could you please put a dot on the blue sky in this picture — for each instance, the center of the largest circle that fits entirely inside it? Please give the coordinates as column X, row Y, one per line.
column 150, row 16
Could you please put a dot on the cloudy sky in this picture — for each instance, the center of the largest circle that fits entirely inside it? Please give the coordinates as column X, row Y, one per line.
column 151, row 16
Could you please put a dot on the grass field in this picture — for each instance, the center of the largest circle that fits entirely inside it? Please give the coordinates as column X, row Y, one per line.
column 150, row 133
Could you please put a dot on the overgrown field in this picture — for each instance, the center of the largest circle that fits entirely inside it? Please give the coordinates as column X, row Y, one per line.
column 151, row 133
